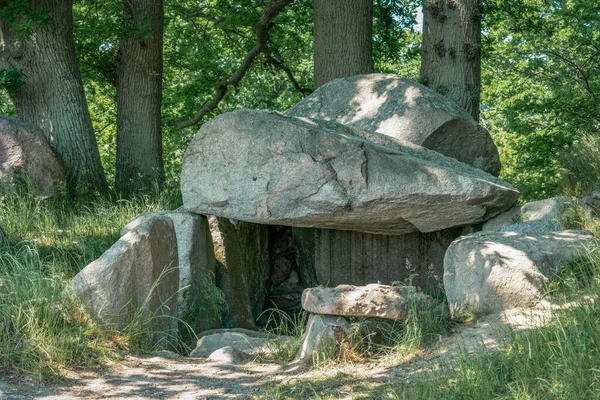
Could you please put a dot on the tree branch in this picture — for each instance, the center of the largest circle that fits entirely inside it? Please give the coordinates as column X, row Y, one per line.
column 261, row 29
column 277, row 62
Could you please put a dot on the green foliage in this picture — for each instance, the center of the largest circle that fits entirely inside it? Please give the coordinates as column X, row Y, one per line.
column 42, row 329
column 541, row 82
column 11, row 79
column 396, row 45
column 281, row 324
column 581, row 166
column 22, row 17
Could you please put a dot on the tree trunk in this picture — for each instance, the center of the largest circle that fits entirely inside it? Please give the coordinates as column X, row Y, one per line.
column 139, row 96
column 451, row 50
column 343, row 38
column 52, row 95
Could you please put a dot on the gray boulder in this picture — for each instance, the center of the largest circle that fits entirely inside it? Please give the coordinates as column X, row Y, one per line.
column 405, row 111
column 196, row 258
column 487, row 272
column 374, row 300
column 322, row 337
column 25, row 152
column 537, row 216
column 265, row 168
column 137, row 274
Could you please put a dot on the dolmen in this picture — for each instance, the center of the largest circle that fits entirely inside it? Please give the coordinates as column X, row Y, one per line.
column 371, row 178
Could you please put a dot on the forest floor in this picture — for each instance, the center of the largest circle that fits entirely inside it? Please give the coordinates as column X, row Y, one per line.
column 165, row 375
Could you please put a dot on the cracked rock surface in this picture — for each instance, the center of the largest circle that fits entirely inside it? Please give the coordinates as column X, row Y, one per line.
column 265, row 168
column 403, row 110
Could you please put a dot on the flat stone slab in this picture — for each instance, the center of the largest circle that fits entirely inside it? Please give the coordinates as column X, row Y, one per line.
column 405, row 111
column 487, row 272
column 261, row 167
column 374, row 301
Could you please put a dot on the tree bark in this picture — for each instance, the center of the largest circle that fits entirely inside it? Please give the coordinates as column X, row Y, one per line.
column 139, row 95
column 343, row 38
column 451, row 50
column 52, row 95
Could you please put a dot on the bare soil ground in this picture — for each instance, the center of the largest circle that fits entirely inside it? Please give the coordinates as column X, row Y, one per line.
column 168, row 376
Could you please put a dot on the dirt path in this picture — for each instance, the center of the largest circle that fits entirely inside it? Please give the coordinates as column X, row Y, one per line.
column 166, row 376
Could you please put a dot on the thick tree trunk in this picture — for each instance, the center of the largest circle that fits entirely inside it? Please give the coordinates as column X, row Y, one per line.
column 343, row 38
column 139, row 95
column 52, row 95
column 451, row 50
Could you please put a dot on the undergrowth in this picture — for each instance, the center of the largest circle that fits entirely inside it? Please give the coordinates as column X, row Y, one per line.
column 43, row 244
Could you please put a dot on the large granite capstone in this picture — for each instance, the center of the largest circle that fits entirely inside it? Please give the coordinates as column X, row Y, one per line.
column 405, row 111
column 266, row 168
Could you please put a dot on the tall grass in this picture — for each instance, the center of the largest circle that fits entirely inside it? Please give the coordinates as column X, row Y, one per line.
column 558, row 361
column 43, row 245
column 581, row 167
column 41, row 329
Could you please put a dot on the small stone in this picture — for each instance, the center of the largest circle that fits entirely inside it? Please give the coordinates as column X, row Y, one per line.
column 229, row 355
column 541, row 216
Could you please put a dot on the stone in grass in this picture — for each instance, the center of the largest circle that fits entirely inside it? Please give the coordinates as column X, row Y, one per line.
column 196, row 262
column 487, row 272
column 25, row 152
column 229, row 355
column 137, row 276
column 537, row 216
column 371, row 301
column 323, row 337
column 247, row 342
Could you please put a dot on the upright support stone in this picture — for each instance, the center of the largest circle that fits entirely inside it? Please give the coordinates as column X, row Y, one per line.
column 136, row 277
column 322, row 338
column 331, row 257
column 197, row 267
column 243, row 268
